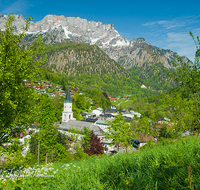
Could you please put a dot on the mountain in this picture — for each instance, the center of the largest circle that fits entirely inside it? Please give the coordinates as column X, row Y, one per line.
column 79, row 59
column 146, row 63
column 87, row 66
column 128, row 53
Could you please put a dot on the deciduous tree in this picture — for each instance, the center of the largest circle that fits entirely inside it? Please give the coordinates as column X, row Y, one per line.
column 120, row 131
column 187, row 76
column 17, row 62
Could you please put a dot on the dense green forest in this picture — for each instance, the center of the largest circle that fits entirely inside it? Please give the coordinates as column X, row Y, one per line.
column 154, row 76
column 87, row 66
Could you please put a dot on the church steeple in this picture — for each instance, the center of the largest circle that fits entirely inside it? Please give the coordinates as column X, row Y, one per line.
column 68, row 97
column 67, row 114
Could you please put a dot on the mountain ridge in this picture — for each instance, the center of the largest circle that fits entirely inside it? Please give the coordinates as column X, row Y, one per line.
column 129, row 53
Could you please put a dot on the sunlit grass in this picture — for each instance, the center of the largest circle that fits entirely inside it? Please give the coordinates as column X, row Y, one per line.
column 175, row 165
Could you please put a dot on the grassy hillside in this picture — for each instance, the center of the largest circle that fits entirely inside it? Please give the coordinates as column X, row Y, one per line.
column 168, row 165
column 154, row 76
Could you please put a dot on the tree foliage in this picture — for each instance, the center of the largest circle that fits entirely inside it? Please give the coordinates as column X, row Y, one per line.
column 17, row 63
column 120, row 131
column 187, row 76
column 95, row 145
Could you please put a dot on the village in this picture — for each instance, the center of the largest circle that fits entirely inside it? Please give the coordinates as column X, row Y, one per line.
column 97, row 120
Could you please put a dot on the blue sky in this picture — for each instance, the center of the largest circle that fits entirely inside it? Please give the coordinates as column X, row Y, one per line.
column 165, row 24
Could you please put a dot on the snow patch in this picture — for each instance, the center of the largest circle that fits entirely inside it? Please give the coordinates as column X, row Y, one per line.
column 30, row 32
column 121, row 43
column 57, row 26
column 67, row 32
column 93, row 41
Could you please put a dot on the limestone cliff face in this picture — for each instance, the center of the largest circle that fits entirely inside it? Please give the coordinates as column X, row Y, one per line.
column 129, row 53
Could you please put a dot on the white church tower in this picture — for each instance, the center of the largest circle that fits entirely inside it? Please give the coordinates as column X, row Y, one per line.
column 67, row 114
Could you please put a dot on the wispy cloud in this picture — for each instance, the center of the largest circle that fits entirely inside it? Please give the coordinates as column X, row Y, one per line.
column 165, row 24
column 175, row 23
column 17, row 7
column 182, row 42
column 174, row 34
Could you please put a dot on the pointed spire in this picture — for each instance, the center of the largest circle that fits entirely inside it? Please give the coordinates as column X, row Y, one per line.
column 68, row 97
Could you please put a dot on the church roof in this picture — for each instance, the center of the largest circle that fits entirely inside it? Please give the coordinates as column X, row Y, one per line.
column 79, row 125
column 68, row 97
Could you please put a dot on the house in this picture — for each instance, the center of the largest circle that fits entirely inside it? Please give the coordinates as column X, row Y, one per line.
column 143, row 86
column 29, row 85
column 101, row 122
column 110, row 111
column 127, row 114
column 42, row 91
column 36, row 82
column 80, row 93
column 58, row 87
column 113, row 107
column 88, row 115
column 38, row 87
column 136, row 114
column 97, row 111
column 143, row 139
column 106, row 115
column 113, row 99
column 92, row 120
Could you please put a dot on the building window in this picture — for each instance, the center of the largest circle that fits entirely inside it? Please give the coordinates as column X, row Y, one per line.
column 69, row 116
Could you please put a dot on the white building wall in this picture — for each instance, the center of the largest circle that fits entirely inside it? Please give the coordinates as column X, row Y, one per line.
column 97, row 112
column 67, row 114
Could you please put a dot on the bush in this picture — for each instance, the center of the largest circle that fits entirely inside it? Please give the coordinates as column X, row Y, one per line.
column 14, row 160
column 80, row 155
column 61, row 154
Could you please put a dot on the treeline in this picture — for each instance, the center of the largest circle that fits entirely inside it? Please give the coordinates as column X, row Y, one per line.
column 114, row 85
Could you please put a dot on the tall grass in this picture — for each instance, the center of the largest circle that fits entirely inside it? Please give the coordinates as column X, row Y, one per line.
column 165, row 166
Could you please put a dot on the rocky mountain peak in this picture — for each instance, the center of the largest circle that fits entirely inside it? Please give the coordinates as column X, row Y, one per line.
column 55, row 29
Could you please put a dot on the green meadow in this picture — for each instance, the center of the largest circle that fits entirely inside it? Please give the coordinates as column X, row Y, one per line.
column 172, row 164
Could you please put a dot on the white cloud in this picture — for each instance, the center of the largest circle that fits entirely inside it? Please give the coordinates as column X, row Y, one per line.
column 18, row 7
column 166, row 24
column 174, row 23
column 182, row 43
column 174, row 34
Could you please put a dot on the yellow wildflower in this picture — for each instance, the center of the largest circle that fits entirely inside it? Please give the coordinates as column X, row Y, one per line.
column 127, row 182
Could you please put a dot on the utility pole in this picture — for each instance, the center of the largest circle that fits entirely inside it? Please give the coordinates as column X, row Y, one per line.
column 38, row 152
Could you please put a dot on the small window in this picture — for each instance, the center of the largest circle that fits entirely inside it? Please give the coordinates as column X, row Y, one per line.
column 69, row 116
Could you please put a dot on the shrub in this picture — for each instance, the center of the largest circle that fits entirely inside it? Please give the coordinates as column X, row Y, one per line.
column 61, row 154
column 80, row 155
column 96, row 146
